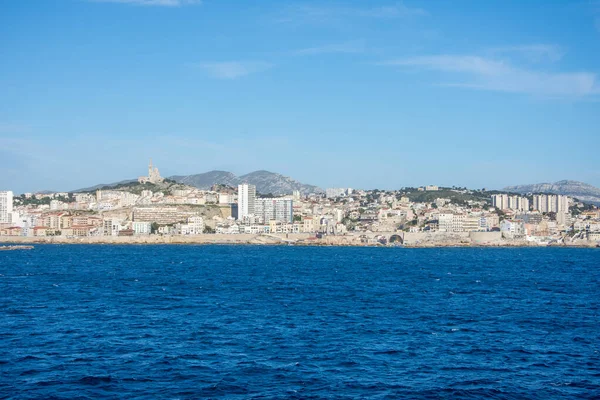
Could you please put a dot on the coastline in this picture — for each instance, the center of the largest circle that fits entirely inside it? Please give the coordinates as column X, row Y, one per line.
column 279, row 240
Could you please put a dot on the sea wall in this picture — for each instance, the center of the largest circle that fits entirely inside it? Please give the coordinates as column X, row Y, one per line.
column 485, row 237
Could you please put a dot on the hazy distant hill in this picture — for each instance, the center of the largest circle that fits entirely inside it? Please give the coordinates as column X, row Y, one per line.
column 580, row 190
column 207, row 179
column 265, row 182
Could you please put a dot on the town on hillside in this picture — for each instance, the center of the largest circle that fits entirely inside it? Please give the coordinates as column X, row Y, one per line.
column 428, row 215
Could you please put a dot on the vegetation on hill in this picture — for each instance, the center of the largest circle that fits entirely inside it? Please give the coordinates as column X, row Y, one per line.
column 35, row 201
column 456, row 197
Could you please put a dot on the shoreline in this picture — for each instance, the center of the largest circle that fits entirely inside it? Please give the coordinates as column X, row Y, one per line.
column 273, row 240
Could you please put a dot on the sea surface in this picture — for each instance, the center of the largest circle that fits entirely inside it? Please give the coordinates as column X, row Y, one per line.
column 260, row 322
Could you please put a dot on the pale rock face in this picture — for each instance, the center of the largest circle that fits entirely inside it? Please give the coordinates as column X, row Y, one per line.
column 579, row 190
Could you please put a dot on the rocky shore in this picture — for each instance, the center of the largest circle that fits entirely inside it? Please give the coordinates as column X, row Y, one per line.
column 475, row 239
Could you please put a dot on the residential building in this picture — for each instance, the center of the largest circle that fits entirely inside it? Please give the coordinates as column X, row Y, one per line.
column 337, row 192
column 246, row 200
column 278, row 209
column 194, row 226
column 545, row 203
column 141, row 227
column 506, row 202
column 6, row 207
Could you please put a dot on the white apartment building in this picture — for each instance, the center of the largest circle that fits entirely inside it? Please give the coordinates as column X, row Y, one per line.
column 141, row 227
column 6, row 207
column 279, row 209
column 506, row 202
column 194, row 226
column 551, row 203
column 246, row 200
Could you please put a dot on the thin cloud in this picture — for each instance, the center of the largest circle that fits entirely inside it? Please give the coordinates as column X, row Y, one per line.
column 351, row 47
column 321, row 14
column 488, row 74
column 233, row 69
column 532, row 52
column 160, row 3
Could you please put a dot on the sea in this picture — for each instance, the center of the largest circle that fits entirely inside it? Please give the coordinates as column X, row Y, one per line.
column 290, row 322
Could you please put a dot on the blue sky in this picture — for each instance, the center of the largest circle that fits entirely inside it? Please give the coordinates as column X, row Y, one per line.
column 345, row 93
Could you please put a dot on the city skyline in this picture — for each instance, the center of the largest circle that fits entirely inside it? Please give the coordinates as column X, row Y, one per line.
column 382, row 94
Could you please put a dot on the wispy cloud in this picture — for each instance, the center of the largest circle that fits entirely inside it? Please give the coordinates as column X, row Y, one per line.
column 496, row 75
column 531, row 52
column 320, row 14
column 355, row 46
column 234, row 69
column 160, row 3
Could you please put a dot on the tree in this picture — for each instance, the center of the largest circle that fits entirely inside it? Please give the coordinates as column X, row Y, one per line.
column 154, row 228
column 208, row 229
column 297, row 218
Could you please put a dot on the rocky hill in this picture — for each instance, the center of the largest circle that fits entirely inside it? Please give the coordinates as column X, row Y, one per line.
column 579, row 190
column 206, row 180
column 265, row 182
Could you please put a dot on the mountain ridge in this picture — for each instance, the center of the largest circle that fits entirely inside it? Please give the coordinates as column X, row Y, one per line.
column 579, row 190
column 265, row 181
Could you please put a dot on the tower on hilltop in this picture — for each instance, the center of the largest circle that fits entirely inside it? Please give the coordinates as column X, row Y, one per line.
column 153, row 175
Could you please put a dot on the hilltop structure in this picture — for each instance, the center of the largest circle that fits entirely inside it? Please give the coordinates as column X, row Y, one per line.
column 153, row 175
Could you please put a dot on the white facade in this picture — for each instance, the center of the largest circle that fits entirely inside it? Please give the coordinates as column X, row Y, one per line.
column 337, row 192
column 281, row 209
column 246, row 200
column 141, row 228
column 194, row 226
column 506, row 202
column 6, row 207
column 551, row 203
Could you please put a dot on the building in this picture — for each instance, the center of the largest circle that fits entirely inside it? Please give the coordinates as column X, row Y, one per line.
column 331, row 193
column 506, row 202
column 431, row 188
column 194, row 226
column 246, row 200
column 515, row 228
column 153, row 175
column 6, row 207
column 449, row 222
column 545, row 203
column 277, row 209
column 141, row 227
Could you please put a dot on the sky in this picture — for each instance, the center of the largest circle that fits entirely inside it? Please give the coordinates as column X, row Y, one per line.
column 363, row 94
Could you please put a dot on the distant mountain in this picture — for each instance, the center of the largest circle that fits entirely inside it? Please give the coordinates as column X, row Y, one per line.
column 206, row 180
column 265, row 182
column 579, row 190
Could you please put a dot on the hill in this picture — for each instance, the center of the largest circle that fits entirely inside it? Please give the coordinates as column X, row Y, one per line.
column 265, row 182
column 579, row 190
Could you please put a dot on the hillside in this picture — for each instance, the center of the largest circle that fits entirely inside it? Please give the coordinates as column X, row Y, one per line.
column 581, row 191
column 265, row 182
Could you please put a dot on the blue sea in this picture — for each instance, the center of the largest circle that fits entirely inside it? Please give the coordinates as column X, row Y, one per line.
column 260, row 322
